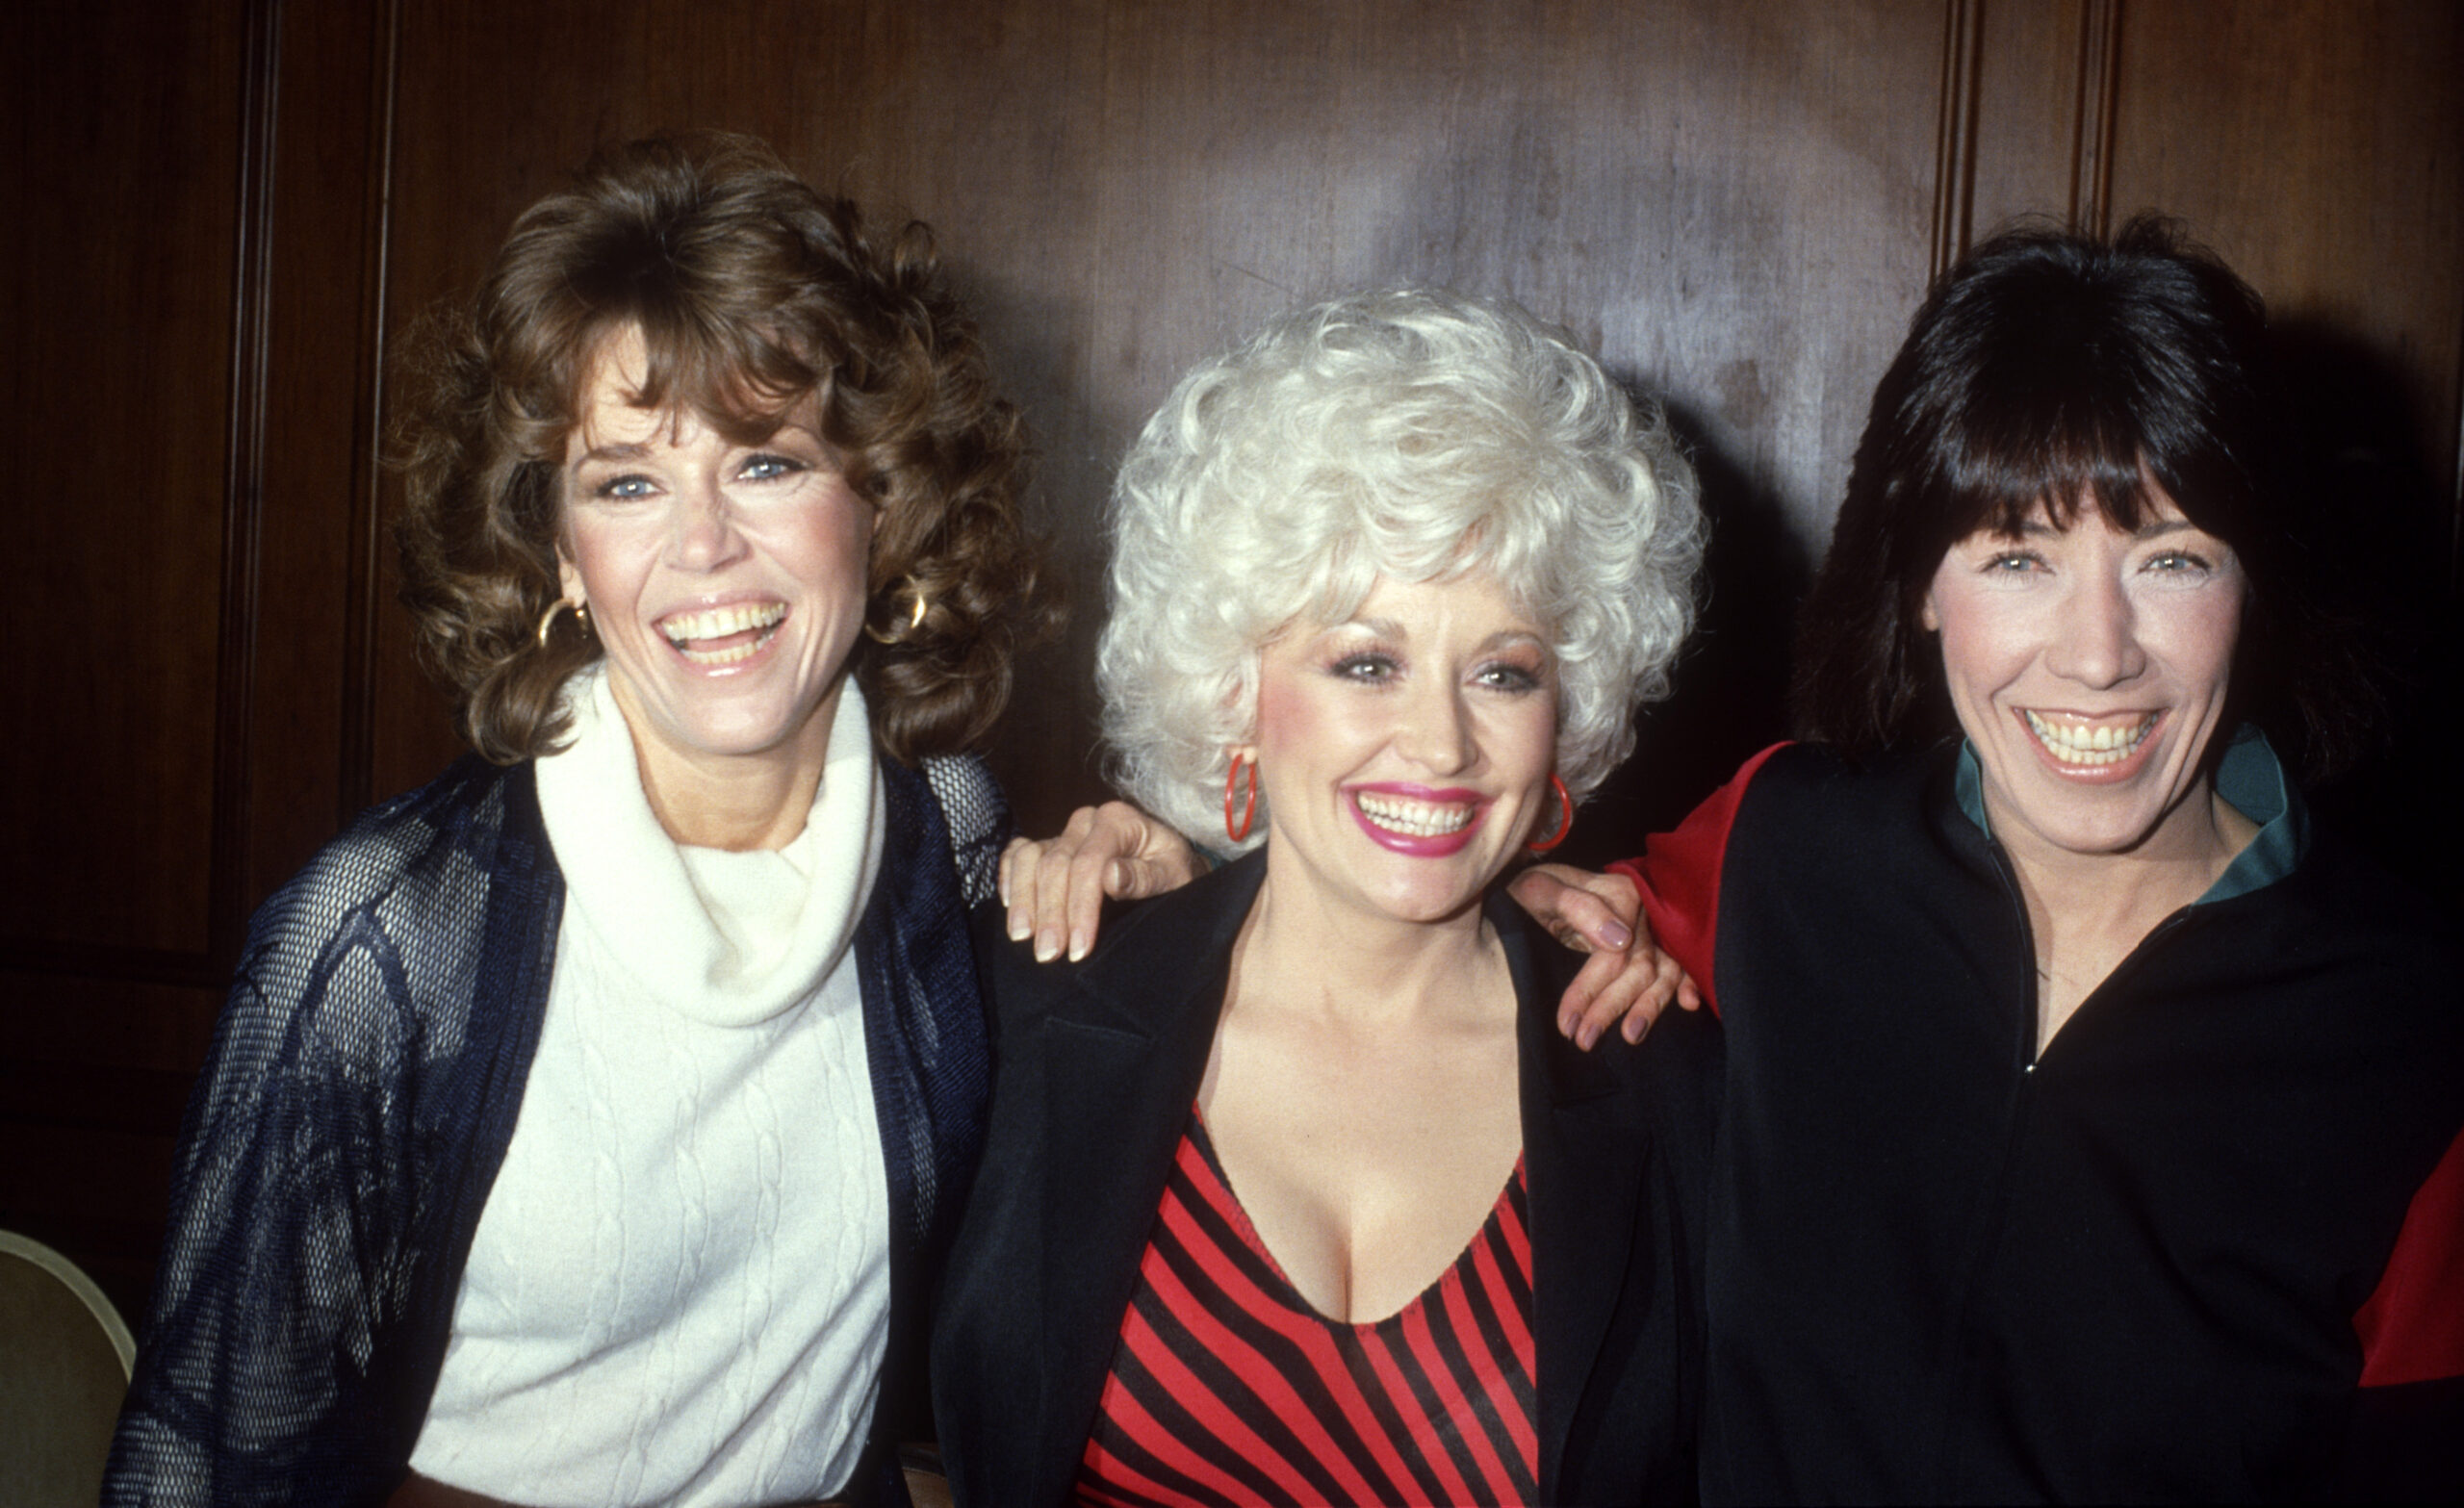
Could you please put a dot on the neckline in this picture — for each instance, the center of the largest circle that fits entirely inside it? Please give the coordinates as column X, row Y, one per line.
column 1288, row 1295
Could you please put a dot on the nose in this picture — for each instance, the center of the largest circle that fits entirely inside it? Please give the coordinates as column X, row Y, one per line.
column 1436, row 731
column 2096, row 640
column 702, row 531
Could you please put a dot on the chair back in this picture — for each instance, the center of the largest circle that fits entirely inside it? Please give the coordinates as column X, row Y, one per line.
column 64, row 1358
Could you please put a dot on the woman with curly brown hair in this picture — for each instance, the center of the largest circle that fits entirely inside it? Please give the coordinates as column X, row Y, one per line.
column 584, row 1126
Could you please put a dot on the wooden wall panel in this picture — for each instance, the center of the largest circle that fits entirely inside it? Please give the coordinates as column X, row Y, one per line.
column 118, row 280
column 2316, row 145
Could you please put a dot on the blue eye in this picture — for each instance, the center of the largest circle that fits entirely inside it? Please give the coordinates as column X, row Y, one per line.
column 2176, row 562
column 769, row 468
column 627, row 488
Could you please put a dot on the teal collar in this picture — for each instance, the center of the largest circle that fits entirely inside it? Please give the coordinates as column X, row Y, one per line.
column 2250, row 779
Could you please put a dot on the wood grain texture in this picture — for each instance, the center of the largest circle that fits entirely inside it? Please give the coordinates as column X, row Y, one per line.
column 124, row 127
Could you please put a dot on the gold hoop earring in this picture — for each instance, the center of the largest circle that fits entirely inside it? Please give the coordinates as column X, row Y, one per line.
column 548, row 619
column 914, row 617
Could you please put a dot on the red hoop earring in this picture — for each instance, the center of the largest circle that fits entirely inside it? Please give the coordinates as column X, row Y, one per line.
column 1565, row 818
column 1231, row 794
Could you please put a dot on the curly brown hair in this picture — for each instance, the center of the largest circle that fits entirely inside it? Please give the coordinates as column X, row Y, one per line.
column 755, row 296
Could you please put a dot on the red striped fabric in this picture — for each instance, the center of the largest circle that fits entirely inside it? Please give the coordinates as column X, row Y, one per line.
column 1227, row 1389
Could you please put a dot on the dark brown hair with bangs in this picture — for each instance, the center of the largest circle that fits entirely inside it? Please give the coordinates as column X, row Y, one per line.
column 754, row 295
column 2057, row 372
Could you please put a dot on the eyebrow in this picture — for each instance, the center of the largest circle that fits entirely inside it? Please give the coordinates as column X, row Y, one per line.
column 614, row 453
column 1389, row 629
column 2037, row 528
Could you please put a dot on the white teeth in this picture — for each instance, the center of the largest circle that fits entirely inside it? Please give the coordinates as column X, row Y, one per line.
column 1418, row 819
column 2098, row 744
column 684, row 629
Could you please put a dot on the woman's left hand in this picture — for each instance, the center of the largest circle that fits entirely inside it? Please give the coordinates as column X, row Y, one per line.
column 1055, row 890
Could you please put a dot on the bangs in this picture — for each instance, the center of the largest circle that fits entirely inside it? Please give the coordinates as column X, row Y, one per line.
column 2060, row 433
column 2056, row 476
column 744, row 383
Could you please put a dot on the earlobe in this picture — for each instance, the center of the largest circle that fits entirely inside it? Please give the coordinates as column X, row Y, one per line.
column 1928, row 617
column 569, row 578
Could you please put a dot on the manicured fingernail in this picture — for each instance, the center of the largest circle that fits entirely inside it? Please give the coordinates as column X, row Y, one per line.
column 1077, row 946
column 1047, row 947
column 1617, row 934
column 1018, row 928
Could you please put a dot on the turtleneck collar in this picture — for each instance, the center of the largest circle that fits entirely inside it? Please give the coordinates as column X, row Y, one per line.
column 731, row 940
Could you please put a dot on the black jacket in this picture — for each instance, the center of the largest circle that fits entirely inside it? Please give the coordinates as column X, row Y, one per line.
column 1097, row 1069
column 1947, row 1269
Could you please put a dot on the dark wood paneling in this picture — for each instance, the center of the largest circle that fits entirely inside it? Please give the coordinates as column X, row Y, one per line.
column 2319, row 145
column 118, row 278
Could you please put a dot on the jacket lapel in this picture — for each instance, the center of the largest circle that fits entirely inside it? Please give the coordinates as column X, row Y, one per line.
column 1586, row 1165
column 1122, row 1056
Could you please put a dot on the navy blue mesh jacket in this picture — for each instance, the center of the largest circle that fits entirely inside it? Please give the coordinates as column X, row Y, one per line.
column 362, row 1087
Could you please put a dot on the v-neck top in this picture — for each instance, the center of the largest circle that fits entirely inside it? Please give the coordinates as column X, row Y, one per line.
column 1227, row 1387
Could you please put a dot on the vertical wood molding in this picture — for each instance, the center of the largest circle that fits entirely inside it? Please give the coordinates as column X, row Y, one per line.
column 2455, row 497
column 2091, row 136
column 362, row 598
column 243, row 478
column 1955, row 146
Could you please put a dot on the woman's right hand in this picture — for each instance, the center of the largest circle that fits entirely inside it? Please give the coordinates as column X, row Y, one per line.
column 1055, row 890
column 1628, row 981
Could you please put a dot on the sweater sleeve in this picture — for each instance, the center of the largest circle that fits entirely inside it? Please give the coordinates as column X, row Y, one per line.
column 1680, row 876
column 253, row 1377
column 2408, row 1415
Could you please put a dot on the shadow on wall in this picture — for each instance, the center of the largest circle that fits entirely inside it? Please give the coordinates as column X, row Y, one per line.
column 1731, row 681
column 2385, row 558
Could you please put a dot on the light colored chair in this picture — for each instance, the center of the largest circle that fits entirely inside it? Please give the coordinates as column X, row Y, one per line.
column 64, row 1357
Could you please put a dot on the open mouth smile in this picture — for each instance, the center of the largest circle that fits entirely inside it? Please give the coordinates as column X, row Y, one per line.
column 2085, row 743
column 1426, row 824
column 714, row 637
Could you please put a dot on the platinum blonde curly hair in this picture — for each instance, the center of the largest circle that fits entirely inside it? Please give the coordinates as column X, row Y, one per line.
column 1408, row 434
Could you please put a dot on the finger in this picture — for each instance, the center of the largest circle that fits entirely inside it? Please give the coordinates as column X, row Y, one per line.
column 1088, row 872
column 1652, row 999
column 1020, row 863
column 1055, row 862
column 1574, row 1010
column 1137, row 879
column 1560, row 899
column 1628, row 990
column 1689, row 995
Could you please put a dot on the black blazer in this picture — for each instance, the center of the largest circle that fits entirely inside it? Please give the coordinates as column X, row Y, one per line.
column 1098, row 1067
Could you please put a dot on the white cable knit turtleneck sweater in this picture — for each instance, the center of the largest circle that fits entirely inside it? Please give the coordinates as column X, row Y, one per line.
column 679, row 1288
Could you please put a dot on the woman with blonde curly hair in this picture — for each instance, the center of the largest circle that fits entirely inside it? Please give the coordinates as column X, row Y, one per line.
column 1291, row 1194
column 584, row 1126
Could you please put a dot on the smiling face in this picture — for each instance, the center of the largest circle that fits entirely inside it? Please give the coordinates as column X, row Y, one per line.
column 2088, row 668
column 1404, row 752
column 727, row 581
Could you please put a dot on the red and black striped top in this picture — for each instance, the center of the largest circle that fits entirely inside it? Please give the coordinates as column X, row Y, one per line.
column 1227, row 1388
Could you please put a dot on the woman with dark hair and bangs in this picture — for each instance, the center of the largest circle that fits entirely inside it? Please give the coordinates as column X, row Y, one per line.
column 585, row 1127
column 2094, row 1126
column 2093, row 1123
